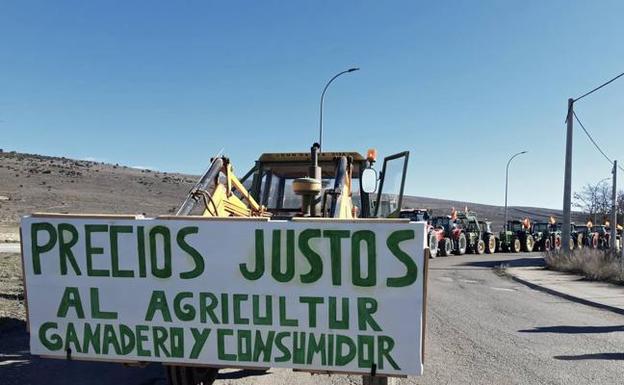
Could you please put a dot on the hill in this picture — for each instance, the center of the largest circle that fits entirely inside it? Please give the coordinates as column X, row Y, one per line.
column 31, row 183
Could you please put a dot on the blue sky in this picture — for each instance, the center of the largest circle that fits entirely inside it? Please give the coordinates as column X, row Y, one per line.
column 461, row 84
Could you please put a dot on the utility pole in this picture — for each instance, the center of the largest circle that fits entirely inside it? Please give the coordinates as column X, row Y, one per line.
column 614, row 210
column 567, row 182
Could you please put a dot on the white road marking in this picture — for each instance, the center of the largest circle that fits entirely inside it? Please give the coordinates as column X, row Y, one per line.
column 502, row 288
column 9, row 247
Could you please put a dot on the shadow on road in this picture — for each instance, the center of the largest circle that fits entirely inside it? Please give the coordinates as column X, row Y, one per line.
column 12, row 297
column 241, row 374
column 593, row 356
column 564, row 329
column 520, row 262
column 17, row 366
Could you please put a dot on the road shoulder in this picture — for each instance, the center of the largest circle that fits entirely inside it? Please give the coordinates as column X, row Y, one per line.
column 571, row 287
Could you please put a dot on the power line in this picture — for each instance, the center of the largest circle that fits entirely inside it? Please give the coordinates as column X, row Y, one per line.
column 599, row 87
column 593, row 141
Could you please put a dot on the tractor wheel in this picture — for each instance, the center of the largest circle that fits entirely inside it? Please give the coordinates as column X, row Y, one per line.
column 547, row 245
column 594, row 243
column 445, row 246
column 462, row 244
column 579, row 241
column 190, row 375
column 516, row 245
column 529, row 244
column 557, row 242
column 490, row 246
column 433, row 246
column 479, row 247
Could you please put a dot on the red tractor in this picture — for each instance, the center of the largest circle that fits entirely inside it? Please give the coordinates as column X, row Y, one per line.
column 435, row 239
column 454, row 237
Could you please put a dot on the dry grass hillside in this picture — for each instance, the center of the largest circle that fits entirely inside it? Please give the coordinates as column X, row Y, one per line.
column 31, row 183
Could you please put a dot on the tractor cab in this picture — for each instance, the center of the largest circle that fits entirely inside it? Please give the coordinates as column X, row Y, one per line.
column 600, row 230
column 468, row 222
column 349, row 185
column 415, row 215
column 486, row 226
column 473, row 226
column 582, row 229
column 444, row 222
column 540, row 227
column 515, row 226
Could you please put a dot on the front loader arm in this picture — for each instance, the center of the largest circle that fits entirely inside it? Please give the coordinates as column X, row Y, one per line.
column 217, row 194
column 222, row 202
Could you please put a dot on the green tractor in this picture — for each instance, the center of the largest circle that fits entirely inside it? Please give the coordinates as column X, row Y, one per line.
column 516, row 237
column 488, row 237
column 601, row 237
column 546, row 235
column 583, row 236
column 470, row 224
column 577, row 237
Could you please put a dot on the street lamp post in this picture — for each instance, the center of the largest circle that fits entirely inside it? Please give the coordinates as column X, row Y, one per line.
column 323, row 98
column 507, row 184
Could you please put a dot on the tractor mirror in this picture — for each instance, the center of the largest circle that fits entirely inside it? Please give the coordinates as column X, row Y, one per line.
column 369, row 180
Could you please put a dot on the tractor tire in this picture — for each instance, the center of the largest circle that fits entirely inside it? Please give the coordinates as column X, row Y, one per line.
column 516, row 245
column 461, row 244
column 490, row 246
column 445, row 246
column 433, row 246
column 479, row 247
column 529, row 244
column 595, row 242
column 190, row 375
column 557, row 243
column 602, row 244
column 547, row 246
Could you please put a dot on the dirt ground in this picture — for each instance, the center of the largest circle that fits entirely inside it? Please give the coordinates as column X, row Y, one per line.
column 11, row 289
column 9, row 233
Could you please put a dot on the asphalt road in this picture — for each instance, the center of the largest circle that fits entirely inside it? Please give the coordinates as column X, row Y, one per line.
column 482, row 329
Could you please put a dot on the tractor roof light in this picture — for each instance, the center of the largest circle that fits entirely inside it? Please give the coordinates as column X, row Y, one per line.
column 371, row 155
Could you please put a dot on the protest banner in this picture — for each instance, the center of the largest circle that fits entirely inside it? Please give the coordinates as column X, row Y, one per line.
column 318, row 295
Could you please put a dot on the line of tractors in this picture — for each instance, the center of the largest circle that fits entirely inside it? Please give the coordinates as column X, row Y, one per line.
column 463, row 232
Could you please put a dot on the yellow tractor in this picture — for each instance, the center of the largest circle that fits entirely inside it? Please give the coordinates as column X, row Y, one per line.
column 342, row 185
column 315, row 184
